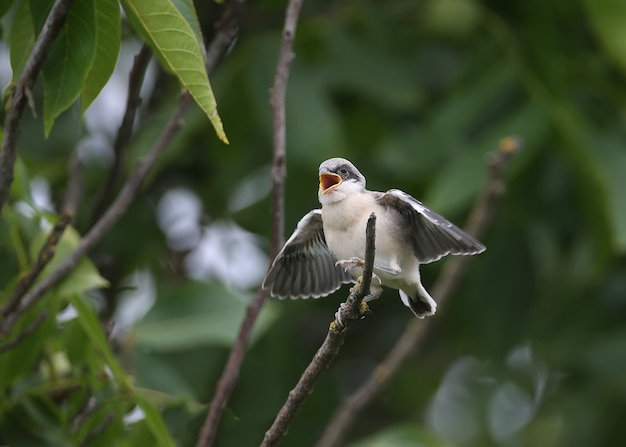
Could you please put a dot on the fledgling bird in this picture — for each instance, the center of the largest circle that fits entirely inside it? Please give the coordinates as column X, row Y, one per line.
column 328, row 245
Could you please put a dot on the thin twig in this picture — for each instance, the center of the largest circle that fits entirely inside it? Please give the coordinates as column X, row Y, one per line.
column 98, row 429
column 108, row 219
column 91, row 405
column 74, row 188
column 349, row 311
column 45, row 256
column 125, row 131
column 230, row 374
column 25, row 333
column 278, row 94
column 410, row 341
column 21, row 93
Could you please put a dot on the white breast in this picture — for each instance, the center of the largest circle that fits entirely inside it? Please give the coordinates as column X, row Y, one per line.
column 344, row 227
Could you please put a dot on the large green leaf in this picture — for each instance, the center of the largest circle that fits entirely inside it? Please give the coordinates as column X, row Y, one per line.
column 108, row 36
column 69, row 61
column 188, row 10
column 608, row 18
column 173, row 39
column 22, row 38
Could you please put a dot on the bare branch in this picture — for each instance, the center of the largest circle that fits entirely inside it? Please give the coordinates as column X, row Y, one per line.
column 278, row 93
column 21, row 94
column 230, row 374
column 351, row 310
column 410, row 341
column 125, row 131
column 25, row 333
column 74, row 187
column 45, row 256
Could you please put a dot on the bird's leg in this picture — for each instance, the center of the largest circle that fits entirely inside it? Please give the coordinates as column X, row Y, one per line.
column 375, row 292
column 354, row 262
column 349, row 264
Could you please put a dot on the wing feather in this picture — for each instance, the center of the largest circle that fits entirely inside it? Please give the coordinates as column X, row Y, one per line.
column 432, row 236
column 305, row 266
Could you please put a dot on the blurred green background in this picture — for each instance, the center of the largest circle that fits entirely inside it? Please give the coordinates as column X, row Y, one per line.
column 530, row 351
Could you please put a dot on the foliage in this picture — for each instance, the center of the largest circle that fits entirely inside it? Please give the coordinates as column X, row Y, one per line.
column 529, row 352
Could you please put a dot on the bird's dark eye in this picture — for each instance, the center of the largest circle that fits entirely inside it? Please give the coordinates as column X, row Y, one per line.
column 343, row 171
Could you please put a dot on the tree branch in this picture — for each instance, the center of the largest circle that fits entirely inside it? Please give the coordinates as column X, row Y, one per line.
column 45, row 256
column 352, row 309
column 230, row 374
column 74, row 187
column 416, row 330
column 13, row 119
column 125, row 131
column 25, row 333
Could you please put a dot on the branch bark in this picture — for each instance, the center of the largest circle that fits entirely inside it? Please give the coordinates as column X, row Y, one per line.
column 125, row 131
column 230, row 374
column 410, row 341
column 19, row 100
column 353, row 309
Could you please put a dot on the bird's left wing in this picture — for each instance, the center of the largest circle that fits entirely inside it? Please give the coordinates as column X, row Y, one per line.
column 431, row 235
column 305, row 266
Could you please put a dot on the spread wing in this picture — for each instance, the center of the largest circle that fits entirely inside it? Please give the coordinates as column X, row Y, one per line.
column 431, row 236
column 305, row 266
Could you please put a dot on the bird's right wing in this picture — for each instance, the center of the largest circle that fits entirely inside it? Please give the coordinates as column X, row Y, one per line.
column 305, row 266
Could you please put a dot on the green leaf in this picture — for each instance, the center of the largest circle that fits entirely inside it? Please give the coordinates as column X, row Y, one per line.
column 93, row 330
column 174, row 41
column 155, row 423
column 608, row 17
column 5, row 5
column 69, row 61
column 188, row 11
column 612, row 158
column 108, row 38
column 196, row 314
column 22, row 38
column 82, row 278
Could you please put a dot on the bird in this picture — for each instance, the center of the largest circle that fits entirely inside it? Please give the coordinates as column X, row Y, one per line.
column 327, row 247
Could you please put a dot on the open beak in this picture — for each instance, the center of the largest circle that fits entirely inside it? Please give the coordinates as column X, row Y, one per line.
column 328, row 182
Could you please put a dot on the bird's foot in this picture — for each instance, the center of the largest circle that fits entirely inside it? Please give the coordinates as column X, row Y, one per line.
column 364, row 310
column 349, row 264
column 352, row 263
column 375, row 292
column 342, row 307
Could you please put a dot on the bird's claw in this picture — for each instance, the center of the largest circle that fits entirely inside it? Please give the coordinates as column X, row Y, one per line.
column 364, row 310
column 342, row 306
column 349, row 264
column 354, row 262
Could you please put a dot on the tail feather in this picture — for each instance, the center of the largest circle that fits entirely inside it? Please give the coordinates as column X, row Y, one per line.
column 419, row 301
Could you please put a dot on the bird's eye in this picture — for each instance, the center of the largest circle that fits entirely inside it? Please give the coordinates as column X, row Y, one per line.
column 343, row 171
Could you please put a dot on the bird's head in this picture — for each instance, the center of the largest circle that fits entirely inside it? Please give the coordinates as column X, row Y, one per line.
column 338, row 179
